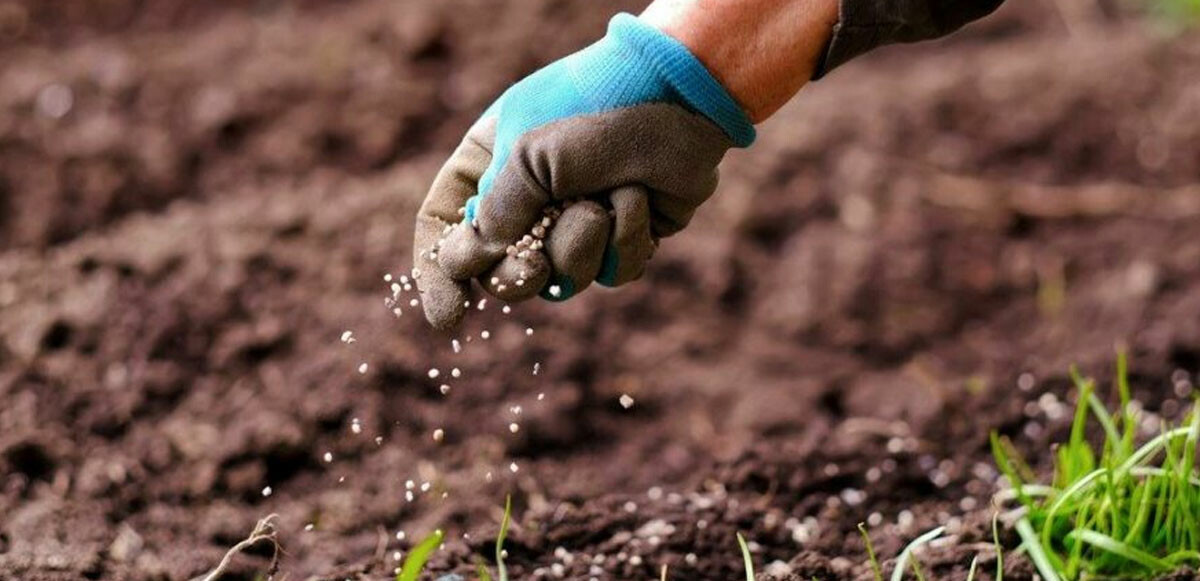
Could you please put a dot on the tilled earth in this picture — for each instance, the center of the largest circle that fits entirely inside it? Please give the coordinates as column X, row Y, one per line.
column 198, row 198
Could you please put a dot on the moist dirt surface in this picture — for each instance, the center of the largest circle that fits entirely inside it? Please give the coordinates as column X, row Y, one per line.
column 198, row 198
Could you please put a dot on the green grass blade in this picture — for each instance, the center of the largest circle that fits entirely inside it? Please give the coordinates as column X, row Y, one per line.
column 1105, row 418
column 902, row 559
column 1149, row 450
column 875, row 568
column 746, row 557
column 415, row 563
column 999, row 549
column 1077, row 488
column 1005, row 461
column 501, row 570
column 1118, row 548
column 1037, row 553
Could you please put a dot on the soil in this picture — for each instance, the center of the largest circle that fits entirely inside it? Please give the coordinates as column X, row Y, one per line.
column 197, row 199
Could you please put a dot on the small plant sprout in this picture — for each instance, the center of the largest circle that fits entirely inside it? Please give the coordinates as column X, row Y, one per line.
column 876, row 570
column 906, row 554
column 419, row 555
column 746, row 558
column 1112, row 510
column 501, row 570
column 626, row 401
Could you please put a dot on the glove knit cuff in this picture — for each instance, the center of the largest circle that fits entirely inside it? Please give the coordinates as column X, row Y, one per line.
column 686, row 74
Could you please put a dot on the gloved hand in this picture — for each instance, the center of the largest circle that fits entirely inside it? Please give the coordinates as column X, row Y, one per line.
column 575, row 173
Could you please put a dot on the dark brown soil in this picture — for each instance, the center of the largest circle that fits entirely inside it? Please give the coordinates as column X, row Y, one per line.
column 198, row 198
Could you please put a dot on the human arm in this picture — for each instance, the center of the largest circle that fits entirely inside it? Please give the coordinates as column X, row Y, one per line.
column 577, row 172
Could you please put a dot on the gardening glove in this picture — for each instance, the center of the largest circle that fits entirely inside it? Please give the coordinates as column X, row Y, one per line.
column 575, row 173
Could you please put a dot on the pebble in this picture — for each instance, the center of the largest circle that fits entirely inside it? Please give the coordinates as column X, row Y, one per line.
column 626, row 401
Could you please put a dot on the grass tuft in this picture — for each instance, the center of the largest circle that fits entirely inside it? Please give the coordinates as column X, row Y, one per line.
column 1113, row 509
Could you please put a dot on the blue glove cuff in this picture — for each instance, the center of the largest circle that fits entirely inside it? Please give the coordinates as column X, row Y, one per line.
column 686, row 74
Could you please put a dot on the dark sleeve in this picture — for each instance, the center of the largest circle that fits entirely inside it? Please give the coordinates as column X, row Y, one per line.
column 867, row 24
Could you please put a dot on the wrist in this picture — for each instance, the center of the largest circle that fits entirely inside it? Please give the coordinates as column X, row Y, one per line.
column 761, row 51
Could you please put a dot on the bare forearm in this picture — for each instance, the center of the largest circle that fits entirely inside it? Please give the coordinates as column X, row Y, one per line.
column 762, row 51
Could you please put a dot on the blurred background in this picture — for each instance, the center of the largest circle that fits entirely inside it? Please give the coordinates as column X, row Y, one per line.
column 198, row 198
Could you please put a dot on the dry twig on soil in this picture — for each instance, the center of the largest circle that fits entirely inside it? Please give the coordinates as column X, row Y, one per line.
column 264, row 530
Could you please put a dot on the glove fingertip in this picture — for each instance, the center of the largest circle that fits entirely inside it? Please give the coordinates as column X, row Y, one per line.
column 444, row 305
